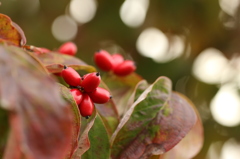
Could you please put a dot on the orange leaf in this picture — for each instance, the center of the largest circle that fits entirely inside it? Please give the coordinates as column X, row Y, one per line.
column 10, row 32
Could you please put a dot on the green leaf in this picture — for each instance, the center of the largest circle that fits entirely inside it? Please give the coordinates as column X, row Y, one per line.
column 155, row 123
column 139, row 89
column 140, row 115
column 192, row 143
column 10, row 32
column 108, row 115
column 54, row 62
column 121, row 89
column 41, row 118
column 83, row 141
column 76, row 121
column 99, row 141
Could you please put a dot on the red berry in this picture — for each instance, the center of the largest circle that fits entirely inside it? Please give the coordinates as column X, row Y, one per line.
column 103, row 60
column 77, row 95
column 71, row 76
column 68, row 48
column 124, row 68
column 91, row 81
column 100, row 96
column 117, row 59
column 86, row 107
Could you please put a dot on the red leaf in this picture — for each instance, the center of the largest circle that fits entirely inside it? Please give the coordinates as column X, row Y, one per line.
column 13, row 148
column 176, row 124
column 54, row 62
column 191, row 144
column 76, row 119
column 44, row 120
column 10, row 32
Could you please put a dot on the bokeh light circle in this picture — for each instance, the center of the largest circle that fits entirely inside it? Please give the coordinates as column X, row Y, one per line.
column 83, row 11
column 175, row 49
column 229, row 6
column 152, row 43
column 133, row 12
column 64, row 28
column 225, row 106
column 230, row 150
column 209, row 65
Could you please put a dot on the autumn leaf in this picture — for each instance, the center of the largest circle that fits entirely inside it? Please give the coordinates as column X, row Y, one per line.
column 13, row 150
column 14, row 140
column 121, row 89
column 192, row 143
column 54, row 62
column 39, row 116
column 155, row 123
column 10, row 32
column 140, row 114
column 76, row 118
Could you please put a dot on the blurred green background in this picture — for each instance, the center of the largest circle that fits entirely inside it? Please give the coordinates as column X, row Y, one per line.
column 193, row 42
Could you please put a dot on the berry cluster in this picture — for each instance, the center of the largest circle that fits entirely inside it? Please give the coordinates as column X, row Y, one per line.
column 115, row 63
column 85, row 90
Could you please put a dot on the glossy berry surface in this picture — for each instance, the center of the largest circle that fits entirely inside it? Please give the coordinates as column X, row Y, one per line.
column 68, row 48
column 71, row 76
column 125, row 68
column 77, row 95
column 100, row 96
column 117, row 59
column 86, row 107
column 103, row 60
column 91, row 81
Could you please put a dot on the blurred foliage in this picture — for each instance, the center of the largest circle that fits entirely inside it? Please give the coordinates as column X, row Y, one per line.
column 198, row 20
column 4, row 129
